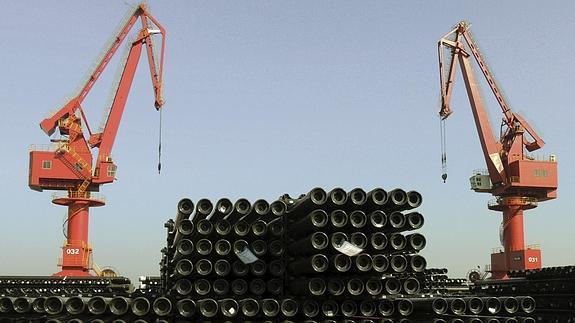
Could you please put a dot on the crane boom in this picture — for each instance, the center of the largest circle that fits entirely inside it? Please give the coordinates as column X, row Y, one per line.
column 517, row 180
column 71, row 165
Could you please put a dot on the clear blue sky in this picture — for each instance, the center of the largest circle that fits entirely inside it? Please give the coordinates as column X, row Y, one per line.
column 268, row 97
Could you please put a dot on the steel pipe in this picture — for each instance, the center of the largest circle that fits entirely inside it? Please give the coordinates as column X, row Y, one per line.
column 415, row 220
column 363, row 263
column 186, row 307
column 204, row 267
column 203, row 208
column 357, row 219
column 257, row 286
column 527, row 304
column 275, row 228
column 340, row 263
column 396, row 221
column 183, row 268
column 239, row 269
column 204, row 227
column 208, row 307
column 140, row 306
column 162, row 306
column 310, row 308
column 338, row 219
column 276, row 248
column 336, row 286
column 119, row 305
column 278, row 208
column 289, row 307
column 376, row 198
column 185, row 209
column 315, row 220
column 367, row 308
column 405, row 307
column 222, row 267
column 392, row 285
column 223, row 208
column 415, row 241
column 259, row 247
column 385, row 307
column 275, row 286
column 258, row 268
column 510, row 304
column 358, row 239
column 21, row 305
column 239, row 286
column 349, row 308
column 474, row 304
column 223, row 247
column 75, row 305
column 37, row 305
column 229, row 307
column 223, row 227
column 318, row 263
column 270, row 307
column 241, row 228
column 249, row 307
column 314, row 199
column 336, row 198
column 337, row 239
column 377, row 220
column 356, row 198
column 414, row 199
column 183, row 287
column 185, row 228
column 398, row 263
column 329, row 308
column 204, row 247
column 53, row 305
column 378, row 241
column 185, row 247
column 241, row 208
column 308, row 286
column 355, row 286
column 396, row 200
column 457, row 306
column 380, row 263
column 277, row 268
column 259, row 208
column 259, row 228
column 202, row 287
column 313, row 243
column 374, row 286
column 417, row 263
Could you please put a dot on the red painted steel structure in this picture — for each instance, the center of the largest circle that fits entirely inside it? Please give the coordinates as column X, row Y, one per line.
column 517, row 180
column 69, row 165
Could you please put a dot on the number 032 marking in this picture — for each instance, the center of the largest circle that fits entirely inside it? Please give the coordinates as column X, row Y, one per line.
column 73, row 251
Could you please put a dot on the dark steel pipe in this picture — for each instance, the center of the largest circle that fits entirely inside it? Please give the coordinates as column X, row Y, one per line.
column 203, row 208
column 405, row 307
column 202, row 287
column 275, row 286
column 411, row 286
column 356, row 198
column 204, row 227
column 367, row 308
column 257, row 286
column 259, row 208
column 380, row 263
column 289, row 307
column 415, row 220
column 414, row 199
column 241, row 208
column 314, row 199
column 358, row 239
column 308, row 286
column 241, row 228
column 204, row 247
column 259, row 228
column 337, row 239
column 75, row 305
column 340, row 263
column 398, row 263
column 140, row 306
column 53, row 305
column 378, row 241
column 415, row 241
column 223, row 227
column 385, row 307
column 336, row 286
column 313, row 243
column 396, row 200
column 355, row 286
column 310, row 308
column 258, row 268
column 37, row 305
column 318, row 263
column 329, row 308
column 357, row 219
column 336, row 198
column 204, row 267
column 184, row 229
column 97, row 305
column 417, row 263
column 183, row 287
column 229, row 307
column 208, row 307
column 527, row 304
column 222, row 267
column 457, row 306
column 392, row 285
column 510, row 304
column 277, row 268
column 119, row 305
column 376, row 198
column 276, row 248
column 239, row 286
column 278, row 208
column 186, row 307
column 223, row 247
column 396, row 221
column 21, row 305
column 221, row 287
column 270, row 307
column 374, row 286
column 338, row 219
column 474, row 304
column 363, row 263
column 185, row 209
column 314, row 221
column 377, row 220
column 183, row 268
column 185, row 247
column 239, row 269
column 222, row 209
column 259, row 247
column 349, row 308
column 275, row 228
column 162, row 306
column 249, row 307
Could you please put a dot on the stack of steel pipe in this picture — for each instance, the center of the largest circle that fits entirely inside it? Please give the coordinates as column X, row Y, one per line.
column 224, row 260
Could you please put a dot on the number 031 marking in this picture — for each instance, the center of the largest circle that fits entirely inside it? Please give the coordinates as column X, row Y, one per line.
column 73, row 251
column 533, row 259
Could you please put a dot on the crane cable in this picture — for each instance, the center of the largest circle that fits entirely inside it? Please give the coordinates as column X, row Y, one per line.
column 160, row 145
column 443, row 149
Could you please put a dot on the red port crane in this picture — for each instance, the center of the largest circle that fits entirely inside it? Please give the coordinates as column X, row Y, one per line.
column 515, row 178
column 69, row 165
